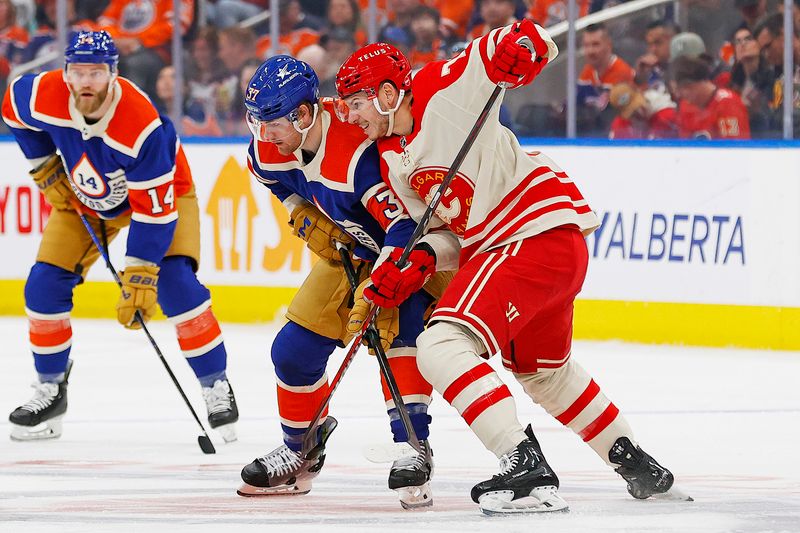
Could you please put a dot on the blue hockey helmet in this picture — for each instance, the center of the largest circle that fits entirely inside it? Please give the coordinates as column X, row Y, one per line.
column 278, row 88
column 92, row 47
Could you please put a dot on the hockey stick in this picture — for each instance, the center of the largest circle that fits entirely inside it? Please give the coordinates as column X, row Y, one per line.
column 374, row 340
column 310, row 435
column 203, row 440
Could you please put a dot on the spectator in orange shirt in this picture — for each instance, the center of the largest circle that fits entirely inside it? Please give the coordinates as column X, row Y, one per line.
column 549, row 12
column 426, row 45
column 297, row 28
column 495, row 14
column 603, row 69
column 147, row 21
column 715, row 113
column 455, row 16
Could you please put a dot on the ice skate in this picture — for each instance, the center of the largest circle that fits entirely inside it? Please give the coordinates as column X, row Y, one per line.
column 525, row 484
column 644, row 475
column 41, row 417
column 222, row 410
column 283, row 471
column 410, row 477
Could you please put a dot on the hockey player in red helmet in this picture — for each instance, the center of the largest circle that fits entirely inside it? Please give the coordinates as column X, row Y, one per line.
column 520, row 223
column 375, row 64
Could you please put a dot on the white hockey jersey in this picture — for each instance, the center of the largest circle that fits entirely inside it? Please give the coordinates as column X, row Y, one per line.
column 501, row 193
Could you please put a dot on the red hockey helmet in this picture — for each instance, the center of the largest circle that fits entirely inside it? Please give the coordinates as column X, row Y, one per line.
column 370, row 66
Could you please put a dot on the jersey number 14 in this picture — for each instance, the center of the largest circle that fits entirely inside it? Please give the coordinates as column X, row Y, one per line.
column 158, row 205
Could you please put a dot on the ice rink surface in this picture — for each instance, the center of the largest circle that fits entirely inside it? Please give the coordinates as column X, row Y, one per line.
column 726, row 422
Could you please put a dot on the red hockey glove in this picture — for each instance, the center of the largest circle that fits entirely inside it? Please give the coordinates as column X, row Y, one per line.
column 513, row 62
column 392, row 286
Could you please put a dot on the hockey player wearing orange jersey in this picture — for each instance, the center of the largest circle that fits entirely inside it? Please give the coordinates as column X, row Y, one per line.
column 521, row 223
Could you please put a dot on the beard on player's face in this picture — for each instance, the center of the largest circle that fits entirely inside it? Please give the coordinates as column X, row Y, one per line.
column 88, row 100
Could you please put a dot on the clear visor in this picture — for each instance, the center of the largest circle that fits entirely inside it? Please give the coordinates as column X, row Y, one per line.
column 88, row 75
column 358, row 101
column 269, row 130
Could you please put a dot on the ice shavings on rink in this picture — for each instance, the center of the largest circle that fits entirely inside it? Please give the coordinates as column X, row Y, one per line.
column 726, row 422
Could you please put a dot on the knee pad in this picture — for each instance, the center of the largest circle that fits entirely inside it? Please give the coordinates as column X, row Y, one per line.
column 300, row 355
column 179, row 290
column 444, row 351
column 48, row 289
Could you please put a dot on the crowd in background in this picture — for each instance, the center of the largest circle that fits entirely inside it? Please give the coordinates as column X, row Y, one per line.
column 718, row 76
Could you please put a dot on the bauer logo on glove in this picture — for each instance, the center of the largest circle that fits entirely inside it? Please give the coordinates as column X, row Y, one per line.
column 139, row 293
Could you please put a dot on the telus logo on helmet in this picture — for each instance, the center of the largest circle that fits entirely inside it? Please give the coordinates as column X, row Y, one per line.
column 376, row 53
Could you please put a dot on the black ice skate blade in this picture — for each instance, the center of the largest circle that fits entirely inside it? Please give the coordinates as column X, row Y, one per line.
column 206, row 445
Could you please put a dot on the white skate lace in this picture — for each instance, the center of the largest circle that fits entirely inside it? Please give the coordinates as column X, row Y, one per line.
column 280, row 461
column 42, row 398
column 218, row 397
column 414, row 462
column 508, row 462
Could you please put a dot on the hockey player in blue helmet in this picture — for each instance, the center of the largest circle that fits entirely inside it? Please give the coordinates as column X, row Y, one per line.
column 90, row 68
column 124, row 164
column 327, row 174
column 274, row 97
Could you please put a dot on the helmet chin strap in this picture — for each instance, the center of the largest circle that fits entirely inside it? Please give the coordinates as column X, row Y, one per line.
column 304, row 131
column 390, row 113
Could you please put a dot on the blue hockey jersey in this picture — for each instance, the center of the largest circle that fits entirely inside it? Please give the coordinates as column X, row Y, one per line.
column 343, row 180
column 128, row 161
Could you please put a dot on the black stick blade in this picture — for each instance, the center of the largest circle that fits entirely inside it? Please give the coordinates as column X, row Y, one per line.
column 205, row 444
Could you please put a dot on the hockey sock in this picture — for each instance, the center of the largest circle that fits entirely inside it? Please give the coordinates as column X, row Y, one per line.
column 448, row 358
column 420, row 420
column 200, row 339
column 187, row 304
column 414, row 389
column 300, row 357
column 48, row 302
column 571, row 395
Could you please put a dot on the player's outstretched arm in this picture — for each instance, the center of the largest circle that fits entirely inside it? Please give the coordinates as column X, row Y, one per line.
column 522, row 50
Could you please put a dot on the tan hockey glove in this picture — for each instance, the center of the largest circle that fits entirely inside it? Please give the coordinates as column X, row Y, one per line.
column 387, row 321
column 319, row 232
column 51, row 178
column 139, row 293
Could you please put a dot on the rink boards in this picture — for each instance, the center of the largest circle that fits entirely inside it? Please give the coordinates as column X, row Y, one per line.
column 699, row 245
